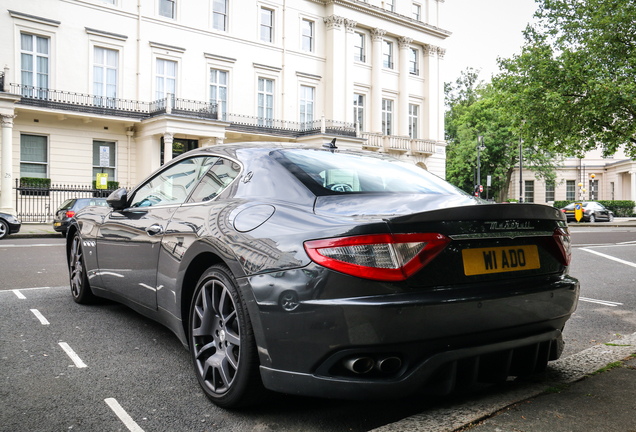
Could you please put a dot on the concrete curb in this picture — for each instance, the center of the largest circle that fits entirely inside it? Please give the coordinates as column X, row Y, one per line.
column 480, row 406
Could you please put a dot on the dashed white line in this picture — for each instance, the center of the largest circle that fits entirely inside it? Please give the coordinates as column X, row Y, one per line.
column 610, row 257
column 78, row 361
column 18, row 294
column 123, row 415
column 39, row 316
column 602, row 302
column 30, row 245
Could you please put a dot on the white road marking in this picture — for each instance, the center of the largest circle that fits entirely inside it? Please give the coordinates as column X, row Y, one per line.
column 123, row 415
column 78, row 361
column 18, row 294
column 603, row 302
column 610, row 257
column 39, row 316
column 30, row 245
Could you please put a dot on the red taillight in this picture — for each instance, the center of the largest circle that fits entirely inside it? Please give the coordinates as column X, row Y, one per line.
column 386, row 257
column 563, row 210
column 562, row 238
column 70, row 214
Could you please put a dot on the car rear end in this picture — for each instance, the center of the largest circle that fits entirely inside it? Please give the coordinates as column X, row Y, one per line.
column 63, row 215
column 419, row 292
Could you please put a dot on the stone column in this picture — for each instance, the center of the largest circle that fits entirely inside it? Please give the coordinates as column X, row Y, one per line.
column 403, row 101
column 335, row 68
column 7, row 164
column 632, row 185
column 441, row 52
column 350, row 26
column 377, row 36
column 168, row 139
column 431, row 116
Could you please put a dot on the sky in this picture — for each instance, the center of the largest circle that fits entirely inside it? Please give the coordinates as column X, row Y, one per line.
column 482, row 31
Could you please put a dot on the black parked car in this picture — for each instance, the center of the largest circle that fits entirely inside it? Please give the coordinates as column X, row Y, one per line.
column 68, row 209
column 321, row 272
column 8, row 225
column 592, row 212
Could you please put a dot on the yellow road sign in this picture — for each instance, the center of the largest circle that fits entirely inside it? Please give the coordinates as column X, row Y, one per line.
column 102, row 181
column 578, row 211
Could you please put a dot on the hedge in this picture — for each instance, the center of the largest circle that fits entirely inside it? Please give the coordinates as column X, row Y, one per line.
column 110, row 185
column 620, row 208
column 35, row 182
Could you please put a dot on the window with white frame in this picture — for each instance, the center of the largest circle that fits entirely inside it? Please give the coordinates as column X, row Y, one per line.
column 414, row 116
column 387, row 55
column 388, row 5
column 34, row 156
column 417, row 12
column 570, row 190
column 109, row 148
column 413, row 63
column 265, row 101
column 593, row 190
column 167, row 8
column 34, row 63
column 267, row 25
column 105, row 65
column 219, row 15
column 549, row 191
column 387, row 116
column 307, row 35
column 218, row 91
column 166, row 79
column 307, row 104
column 358, row 110
column 528, row 191
column 358, row 50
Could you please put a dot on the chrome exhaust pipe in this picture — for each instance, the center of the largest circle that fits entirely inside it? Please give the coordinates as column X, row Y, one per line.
column 359, row 365
column 388, row 364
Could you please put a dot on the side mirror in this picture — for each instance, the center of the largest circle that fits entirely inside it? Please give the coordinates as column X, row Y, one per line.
column 118, row 199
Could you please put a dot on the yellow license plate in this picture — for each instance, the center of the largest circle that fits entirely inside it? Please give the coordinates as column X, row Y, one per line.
column 500, row 259
column 58, row 223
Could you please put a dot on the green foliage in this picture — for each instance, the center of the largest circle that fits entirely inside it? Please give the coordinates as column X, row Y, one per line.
column 573, row 85
column 110, row 185
column 620, row 208
column 476, row 108
column 35, row 182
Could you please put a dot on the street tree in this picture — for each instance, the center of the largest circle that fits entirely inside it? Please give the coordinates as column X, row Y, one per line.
column 574, row 82
column 473, row 108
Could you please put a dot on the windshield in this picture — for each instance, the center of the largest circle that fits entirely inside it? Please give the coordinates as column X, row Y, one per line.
column 326, row 172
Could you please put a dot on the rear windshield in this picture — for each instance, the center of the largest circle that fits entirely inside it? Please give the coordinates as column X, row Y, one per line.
column 326, row 172
column 81, row 203
column 67, row 204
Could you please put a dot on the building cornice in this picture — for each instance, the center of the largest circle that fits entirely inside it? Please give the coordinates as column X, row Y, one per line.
column 219, row 58
column 361, row 6
column 266, row 67
column 105, row 34
column 168, row 47
column 34, row 18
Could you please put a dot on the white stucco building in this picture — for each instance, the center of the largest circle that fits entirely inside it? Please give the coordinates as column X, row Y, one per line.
column 135, row 76
column 614, row 179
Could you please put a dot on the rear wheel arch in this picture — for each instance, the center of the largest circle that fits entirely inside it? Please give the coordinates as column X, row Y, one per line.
column 70, row 233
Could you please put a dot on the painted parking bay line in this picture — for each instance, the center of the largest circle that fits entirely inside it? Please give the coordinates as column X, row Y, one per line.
column 629, row 263
column 78, row 361
column 123, row 415
column 18, row 294
column 39, row 316
column 602, row 302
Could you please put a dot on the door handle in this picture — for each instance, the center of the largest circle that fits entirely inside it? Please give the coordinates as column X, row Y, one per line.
column 154, row 230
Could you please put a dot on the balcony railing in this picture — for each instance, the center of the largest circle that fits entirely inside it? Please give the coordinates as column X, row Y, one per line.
column 100, row 105
column 377, row 141
column 421, row 146
column 91, row 104
column 397, row 143
column 1, row 81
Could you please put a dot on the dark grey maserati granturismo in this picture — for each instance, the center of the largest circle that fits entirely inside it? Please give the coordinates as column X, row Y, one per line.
column 328, row 272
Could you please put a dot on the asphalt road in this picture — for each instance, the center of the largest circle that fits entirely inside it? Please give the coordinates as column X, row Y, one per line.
column 133, row 363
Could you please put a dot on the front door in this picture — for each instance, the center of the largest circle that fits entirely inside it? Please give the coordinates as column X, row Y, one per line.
column 129, row 240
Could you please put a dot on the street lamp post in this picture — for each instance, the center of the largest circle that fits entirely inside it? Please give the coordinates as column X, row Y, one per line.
column 520, row 170
column 480, row 146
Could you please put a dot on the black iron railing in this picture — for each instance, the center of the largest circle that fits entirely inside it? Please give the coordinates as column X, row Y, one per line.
column 193, row 108
column 37, row 202
column 1, row 81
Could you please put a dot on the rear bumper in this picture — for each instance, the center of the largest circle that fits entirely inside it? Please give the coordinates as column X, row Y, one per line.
column 442, row 332
column 441, row 373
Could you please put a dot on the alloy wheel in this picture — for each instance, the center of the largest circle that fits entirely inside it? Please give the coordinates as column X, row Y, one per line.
column 216, row 336
column 76, row 268
column 4, row 229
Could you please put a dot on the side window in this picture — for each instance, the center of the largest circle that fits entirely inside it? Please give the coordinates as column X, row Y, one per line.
column 173, row 185
column 216, row 180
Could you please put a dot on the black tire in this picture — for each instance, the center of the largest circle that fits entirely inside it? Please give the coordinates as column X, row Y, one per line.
column 222, row 344
column 80, row 288
column 4, row 229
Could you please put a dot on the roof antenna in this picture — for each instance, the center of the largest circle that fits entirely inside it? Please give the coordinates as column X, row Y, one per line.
column 331, row 145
